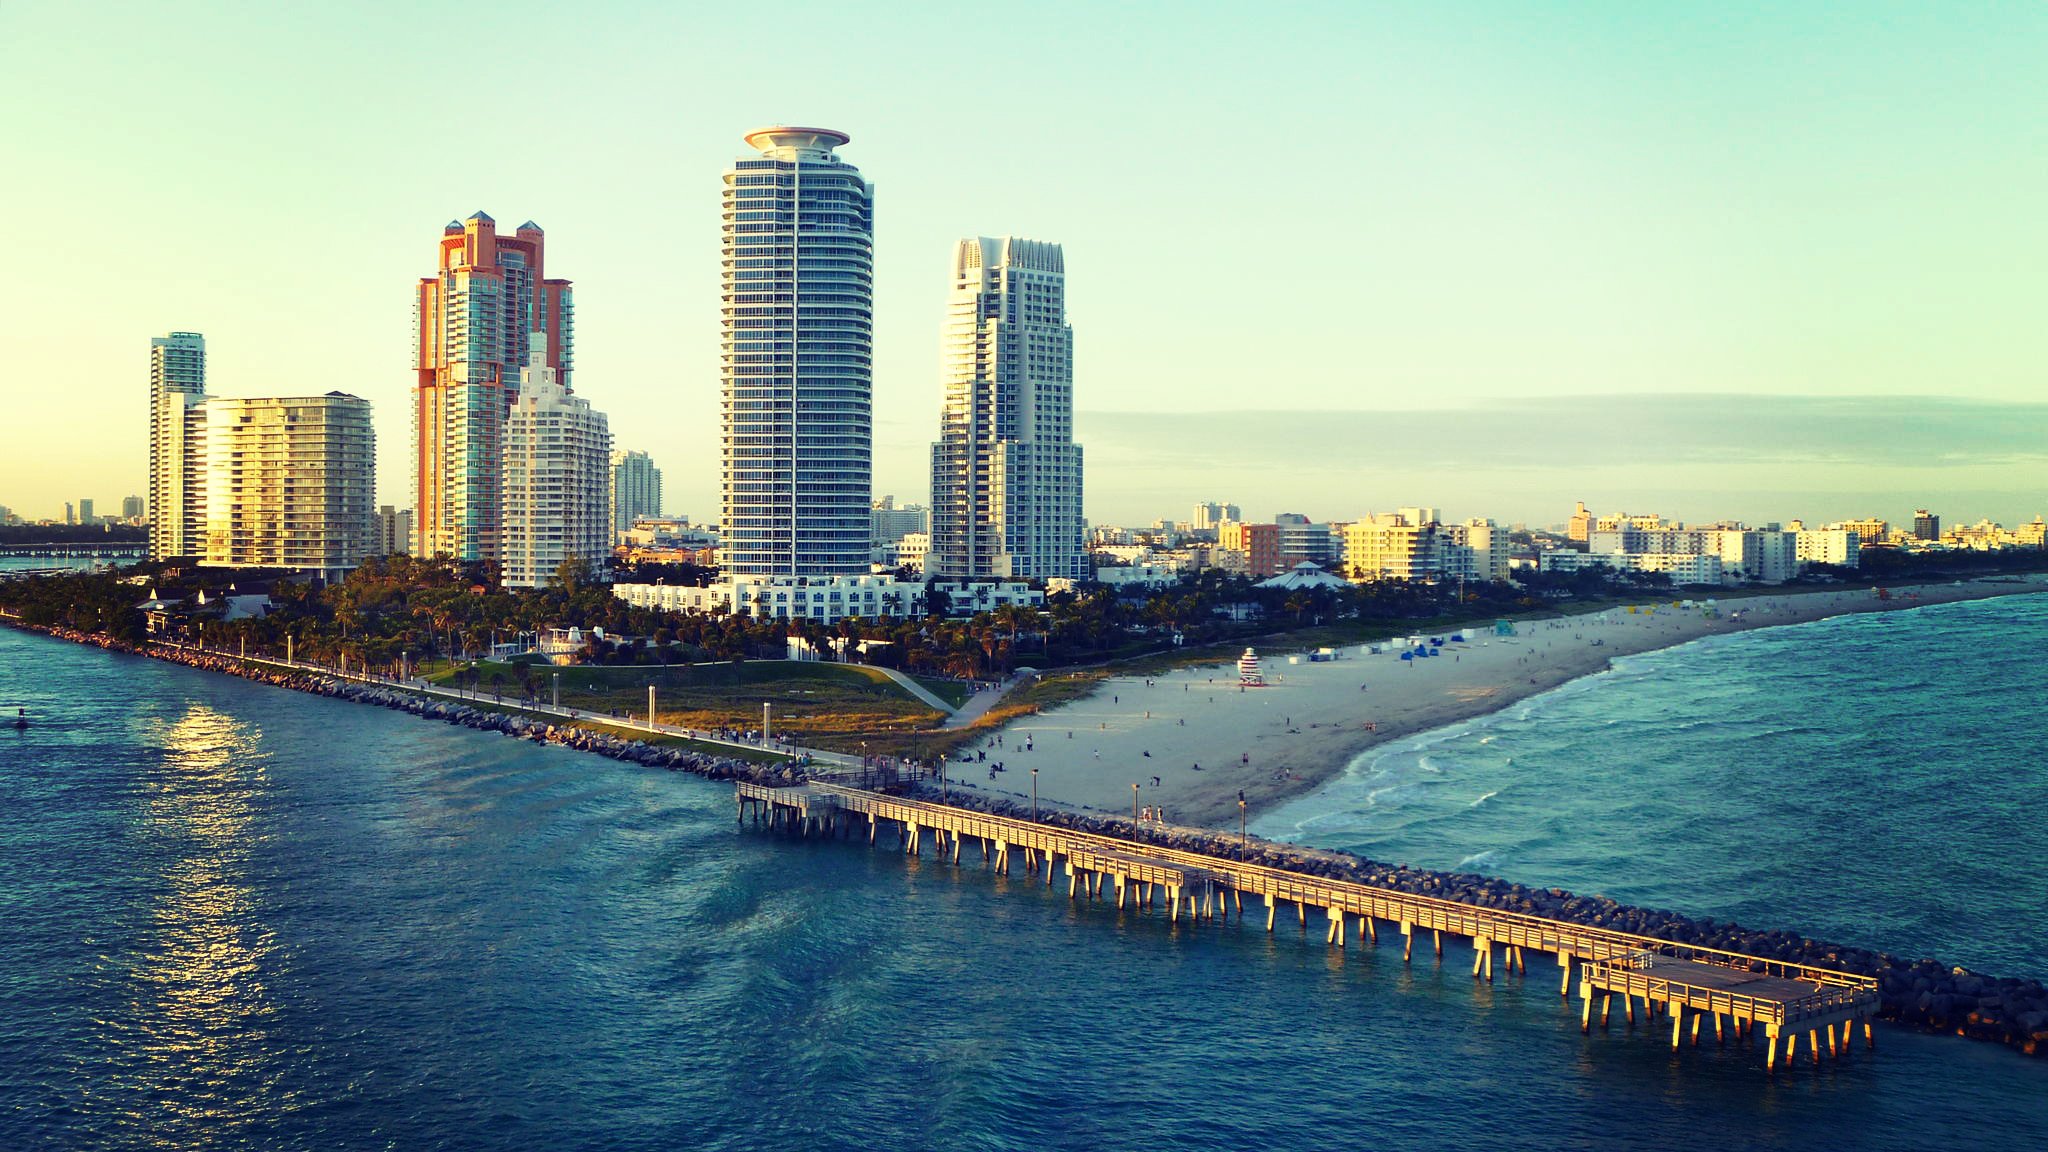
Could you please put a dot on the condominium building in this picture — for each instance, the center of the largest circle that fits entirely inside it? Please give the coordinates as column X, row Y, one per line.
column 556, row 495
column 796, row 350
column 289, row 482
column 87, row 514
column 131, row 508
column 1006, row 473
column 1391, row 547
column 477, row 320
column 1926, row 525
column 635, row 488
column 177, row 385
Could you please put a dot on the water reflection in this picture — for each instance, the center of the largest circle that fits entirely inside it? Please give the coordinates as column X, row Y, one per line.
column 203, row 1013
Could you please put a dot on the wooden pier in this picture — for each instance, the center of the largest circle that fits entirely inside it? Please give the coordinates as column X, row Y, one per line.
column 1744, row 997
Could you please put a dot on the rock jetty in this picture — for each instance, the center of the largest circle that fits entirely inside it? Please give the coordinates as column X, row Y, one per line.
column 1923, row 994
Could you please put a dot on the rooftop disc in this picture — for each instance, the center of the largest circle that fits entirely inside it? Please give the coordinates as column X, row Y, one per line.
column 785, row 138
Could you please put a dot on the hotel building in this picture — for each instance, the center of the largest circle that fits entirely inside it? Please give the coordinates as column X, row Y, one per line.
column 797, row 321
column 477, row 319
column 1390, row 547
column 177, row 386
column 1006, row 473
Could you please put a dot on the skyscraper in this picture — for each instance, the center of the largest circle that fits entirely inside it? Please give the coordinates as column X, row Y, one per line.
column 477, row 320
column 177, row 384
column 797, row 318
column 556, row 497
column 636, row 489
column 290, row 482
column 1006, row 473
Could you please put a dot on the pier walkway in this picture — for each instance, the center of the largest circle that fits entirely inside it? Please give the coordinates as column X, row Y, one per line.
column 1743, row 996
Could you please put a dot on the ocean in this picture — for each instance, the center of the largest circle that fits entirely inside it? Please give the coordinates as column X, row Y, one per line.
column 237, row 917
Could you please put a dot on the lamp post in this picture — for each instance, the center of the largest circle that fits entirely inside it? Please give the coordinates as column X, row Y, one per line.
column 1134, row 802
column 766, row 709
column 1034, row 794
column 1241, row 836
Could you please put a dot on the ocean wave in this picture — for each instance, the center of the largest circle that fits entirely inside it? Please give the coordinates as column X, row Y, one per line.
column 1484, row 859
column 1483, row 799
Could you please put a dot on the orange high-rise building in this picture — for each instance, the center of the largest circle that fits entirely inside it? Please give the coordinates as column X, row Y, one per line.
column 476, row 322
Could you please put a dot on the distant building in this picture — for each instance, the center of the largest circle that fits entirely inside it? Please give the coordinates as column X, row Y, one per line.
column 177, row 384
column 289, row 482
column 85, row 512
column 635, row 488
column 1871, row 530
column 1258, row 544
column 70, row 513
column 1301, row 539
column 131, row 508
column 1580, row 526
column 1208, row 516
column 1006, row 473
column 391, row 535
column 888, row 525
column 1926, row 525
column 556, row 495
column 913, row 551
column 1476, row 550
column 1833, row 546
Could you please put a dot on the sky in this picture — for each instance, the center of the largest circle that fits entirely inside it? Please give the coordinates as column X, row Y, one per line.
column 1717, row 261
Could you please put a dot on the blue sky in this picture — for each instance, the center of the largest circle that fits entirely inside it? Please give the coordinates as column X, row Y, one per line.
column 1358, row 209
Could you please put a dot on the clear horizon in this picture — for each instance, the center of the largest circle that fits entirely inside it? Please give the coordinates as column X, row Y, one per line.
column 1739, row 263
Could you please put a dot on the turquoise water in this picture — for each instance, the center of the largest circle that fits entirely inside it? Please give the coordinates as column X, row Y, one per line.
column 1874, row 780
column 237, row 917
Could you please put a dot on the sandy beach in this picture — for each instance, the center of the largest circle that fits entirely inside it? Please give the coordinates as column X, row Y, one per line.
column 1191, row 739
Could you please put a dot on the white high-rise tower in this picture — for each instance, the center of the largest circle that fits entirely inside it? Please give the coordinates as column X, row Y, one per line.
column 177, row 431
column 1006, row 473
column 797, row 317
column 556, row 490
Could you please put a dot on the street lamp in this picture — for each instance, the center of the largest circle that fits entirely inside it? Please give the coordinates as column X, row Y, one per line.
column 1134, row 802
column 1241, row 837
column 1034, row 794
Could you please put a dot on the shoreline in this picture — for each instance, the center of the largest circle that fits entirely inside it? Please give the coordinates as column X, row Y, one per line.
column 1193, row 739
column 1925, row 994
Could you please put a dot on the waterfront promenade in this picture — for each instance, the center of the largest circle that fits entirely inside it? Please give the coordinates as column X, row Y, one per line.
column 1743, row 997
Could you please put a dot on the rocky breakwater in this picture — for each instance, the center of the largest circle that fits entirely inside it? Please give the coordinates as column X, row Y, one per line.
column 451, row 712
column 1923, row 994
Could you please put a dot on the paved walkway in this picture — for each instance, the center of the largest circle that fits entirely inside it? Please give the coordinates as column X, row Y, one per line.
column 977, row 705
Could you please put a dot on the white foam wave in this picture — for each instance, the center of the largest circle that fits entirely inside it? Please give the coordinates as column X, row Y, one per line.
column 1483, row 799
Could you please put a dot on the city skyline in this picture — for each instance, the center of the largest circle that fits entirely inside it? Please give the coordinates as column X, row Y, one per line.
column 1631, row 205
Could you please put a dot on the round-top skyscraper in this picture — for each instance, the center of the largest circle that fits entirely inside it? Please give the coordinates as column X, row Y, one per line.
column 797, row 319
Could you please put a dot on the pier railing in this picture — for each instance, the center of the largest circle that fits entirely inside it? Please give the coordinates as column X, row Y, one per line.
column 1413, row 911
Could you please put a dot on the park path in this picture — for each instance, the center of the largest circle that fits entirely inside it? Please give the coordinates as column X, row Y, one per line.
column 910, row 685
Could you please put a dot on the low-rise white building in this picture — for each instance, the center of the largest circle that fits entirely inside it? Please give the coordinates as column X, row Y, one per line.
column 826, row 598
